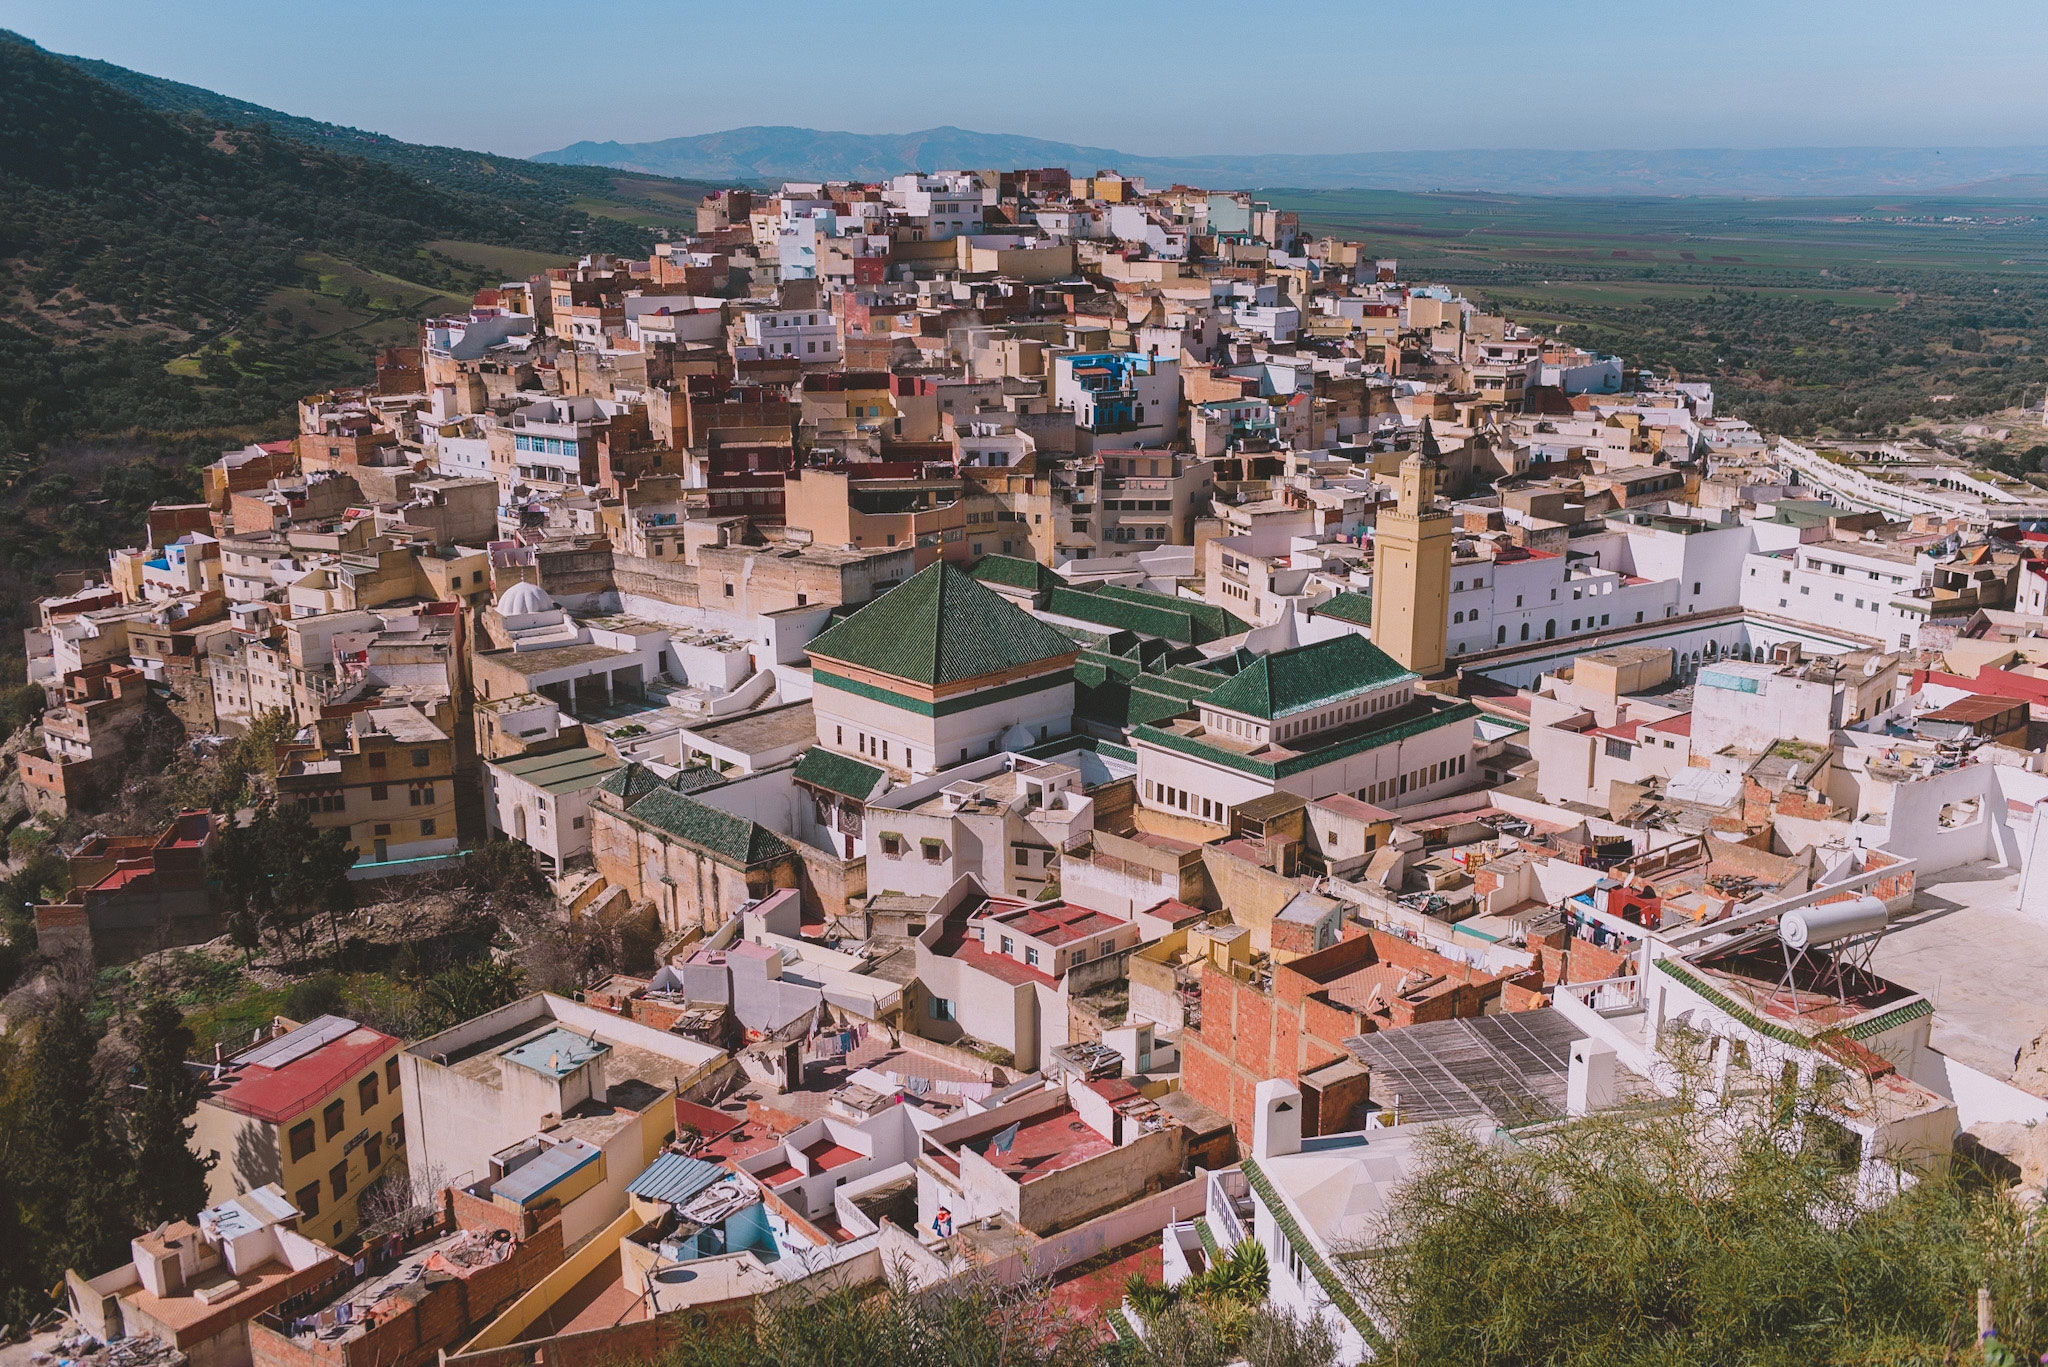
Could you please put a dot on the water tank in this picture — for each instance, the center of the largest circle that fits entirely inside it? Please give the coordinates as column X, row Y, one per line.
column 1812, row 927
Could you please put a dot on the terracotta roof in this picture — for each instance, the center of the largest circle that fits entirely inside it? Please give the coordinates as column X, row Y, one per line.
column 285, row 1093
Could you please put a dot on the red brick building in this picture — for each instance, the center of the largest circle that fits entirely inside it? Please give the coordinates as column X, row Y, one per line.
column 1290, row 1021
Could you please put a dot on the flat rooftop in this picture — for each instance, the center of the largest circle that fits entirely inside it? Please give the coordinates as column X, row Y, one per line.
column 771, row 728
column 561, row 771
column 556, row 1053
column 1044, row 1145
column 550, row 658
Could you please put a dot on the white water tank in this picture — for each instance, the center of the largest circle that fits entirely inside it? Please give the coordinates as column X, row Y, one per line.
column 1812, row 927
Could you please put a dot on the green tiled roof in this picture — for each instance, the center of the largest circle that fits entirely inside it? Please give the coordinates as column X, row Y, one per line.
column 1307, row 677
column 634, row 781
column 1180, row 620
column 1784, row 1034
column 631, row 783
column 733, row 839
column 1332, row 746
column 1348, row 607
column 837, row 773
column 939, row 626
column 1326, row 1276
column 1013, row 572
column 1217, row 621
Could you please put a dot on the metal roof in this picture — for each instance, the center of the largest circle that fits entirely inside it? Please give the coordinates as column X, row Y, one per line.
column 1509, row 1068
column 675, row 1178
column 536, row 1175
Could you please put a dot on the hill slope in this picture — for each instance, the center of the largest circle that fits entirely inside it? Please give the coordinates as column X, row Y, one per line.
column 452, row 168
column 778, row 153
column 171, row 259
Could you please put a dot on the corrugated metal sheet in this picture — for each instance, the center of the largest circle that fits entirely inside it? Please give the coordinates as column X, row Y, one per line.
column 538, row 1174
column 675, row 1178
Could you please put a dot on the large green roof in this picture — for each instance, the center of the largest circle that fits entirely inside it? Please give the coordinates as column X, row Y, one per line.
column 939, row 626
column 1013, row 572
column 1307, row 677
column 1180, row 620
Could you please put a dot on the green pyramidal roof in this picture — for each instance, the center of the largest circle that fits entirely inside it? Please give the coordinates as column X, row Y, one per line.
column 939, row 626
column 1306, row 677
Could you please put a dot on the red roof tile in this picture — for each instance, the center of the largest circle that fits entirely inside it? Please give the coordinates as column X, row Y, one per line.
column 283, row 1094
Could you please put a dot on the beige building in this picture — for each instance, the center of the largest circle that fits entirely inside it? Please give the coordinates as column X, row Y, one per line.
column 315, row 1110
column 386, row 775
column 1411, row 578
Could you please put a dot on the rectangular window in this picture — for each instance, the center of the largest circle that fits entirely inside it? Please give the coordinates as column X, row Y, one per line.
column 1031, row 955
column 422, row 758
column 302, row 1139
column 427, row 826
column 337, row 1179
column 308, row 1199
column 331, row 1118
column 942, row 1010
column 366, row 1091
column 373, row 1151
column 1023, row 858
column 391, row 1074
column 377, row 760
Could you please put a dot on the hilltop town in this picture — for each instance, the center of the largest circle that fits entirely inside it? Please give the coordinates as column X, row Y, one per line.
column 1110, row 719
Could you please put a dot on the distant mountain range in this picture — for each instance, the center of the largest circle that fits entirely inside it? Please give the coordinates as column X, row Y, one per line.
column 766, row 155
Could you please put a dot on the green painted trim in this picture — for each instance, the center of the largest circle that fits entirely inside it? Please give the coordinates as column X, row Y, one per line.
column 1326, row 1276
column 948, row 706
column 1862, row 1030
column 1315, row 759
column 1208, row 1238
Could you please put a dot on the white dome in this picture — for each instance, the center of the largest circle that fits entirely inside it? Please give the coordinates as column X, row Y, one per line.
column 523, row 600
column 1018, row 737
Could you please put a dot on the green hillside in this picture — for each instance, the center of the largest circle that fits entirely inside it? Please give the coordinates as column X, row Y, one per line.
column 616, row 194
column 173, row 261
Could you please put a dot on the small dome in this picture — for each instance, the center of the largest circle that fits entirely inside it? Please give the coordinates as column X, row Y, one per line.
column 523, row 600
column 1019, row 737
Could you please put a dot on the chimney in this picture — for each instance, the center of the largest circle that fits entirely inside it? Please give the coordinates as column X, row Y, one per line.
column 1276, row 1126
column 1589, row 1085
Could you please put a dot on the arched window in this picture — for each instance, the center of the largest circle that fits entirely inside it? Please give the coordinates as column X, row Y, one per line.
column 1550, row 630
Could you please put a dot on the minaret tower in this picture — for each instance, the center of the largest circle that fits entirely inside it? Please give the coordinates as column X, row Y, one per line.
column 1411, row 571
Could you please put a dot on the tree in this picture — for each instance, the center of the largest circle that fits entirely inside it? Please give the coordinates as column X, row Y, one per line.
column 170, row 1179
column 20, row 705
column 1703, row 1230
column 278, row 875
column 503, row 868
column 471, row 989
column 63, row 1155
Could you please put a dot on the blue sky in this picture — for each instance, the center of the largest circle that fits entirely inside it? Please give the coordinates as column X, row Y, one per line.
column 1160, row 77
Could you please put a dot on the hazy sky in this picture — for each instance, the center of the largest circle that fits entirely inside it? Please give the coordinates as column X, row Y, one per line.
column 1159, row 77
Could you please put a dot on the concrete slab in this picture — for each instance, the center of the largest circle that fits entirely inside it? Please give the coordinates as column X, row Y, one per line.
column 1983, row 962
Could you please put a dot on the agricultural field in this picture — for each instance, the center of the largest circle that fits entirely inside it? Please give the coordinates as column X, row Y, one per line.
column 1852, row 316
